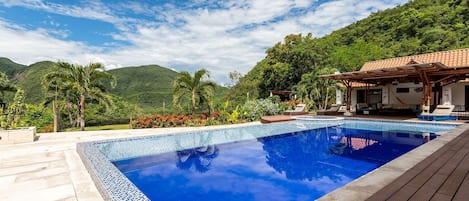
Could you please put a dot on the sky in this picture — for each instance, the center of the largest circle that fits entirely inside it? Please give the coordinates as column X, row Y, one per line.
column 221, row 36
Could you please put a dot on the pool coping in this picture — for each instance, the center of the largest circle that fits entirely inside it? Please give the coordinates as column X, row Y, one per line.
column 370, row 183
column 103, row 172
column 99, row 167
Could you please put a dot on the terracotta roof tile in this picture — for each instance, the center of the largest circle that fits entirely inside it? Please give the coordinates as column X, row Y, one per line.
column 450, row 58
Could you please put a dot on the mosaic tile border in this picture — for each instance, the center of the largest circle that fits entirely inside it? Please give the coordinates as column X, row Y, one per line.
column 113, row 185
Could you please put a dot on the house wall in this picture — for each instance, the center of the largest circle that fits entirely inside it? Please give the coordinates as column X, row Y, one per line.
column 413, row 97
column 390, row 96
column 458, row 93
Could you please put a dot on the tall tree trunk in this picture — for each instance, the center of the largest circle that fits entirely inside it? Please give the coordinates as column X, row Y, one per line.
column 56, row 119
column 82, row 112
column 70, row 114
column 193, row 102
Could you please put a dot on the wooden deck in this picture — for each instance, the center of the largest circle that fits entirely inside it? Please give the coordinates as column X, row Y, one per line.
column 276, row 118
column 444, row 175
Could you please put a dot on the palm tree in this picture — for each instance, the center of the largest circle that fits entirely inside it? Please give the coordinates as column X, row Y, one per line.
column 314, row 90
column 52, row 96
column 86, row 81
column 198, row 88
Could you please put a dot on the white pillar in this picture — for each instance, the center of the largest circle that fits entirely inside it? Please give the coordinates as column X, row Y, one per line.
column 338, row 97
column 385, row 95
column 447, row 100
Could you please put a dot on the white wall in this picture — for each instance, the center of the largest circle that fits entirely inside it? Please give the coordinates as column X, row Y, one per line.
column 412, row 98
column 458, row 93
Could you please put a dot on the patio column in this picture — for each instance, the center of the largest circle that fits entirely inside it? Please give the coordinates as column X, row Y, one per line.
column 367, row 88
column 385, row 95
column 447, row 95
column 348, row 98
column 426, row 92
column 338, row 97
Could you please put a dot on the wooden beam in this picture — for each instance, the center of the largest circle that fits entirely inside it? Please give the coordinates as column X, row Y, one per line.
column 427, row 90
column 444, row 79
column 348, row 99
column 451, row 72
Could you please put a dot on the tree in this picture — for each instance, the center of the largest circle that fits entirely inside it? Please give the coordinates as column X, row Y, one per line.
column 235, row 76
column 87, row 81
column 5, row 86
column 15, row 111
column 197, row 87
column 52, row 96
column 316, row 91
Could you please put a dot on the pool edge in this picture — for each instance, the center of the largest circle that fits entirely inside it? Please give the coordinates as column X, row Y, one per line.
column 370, row 183
column 87, row 149
column 92, row 158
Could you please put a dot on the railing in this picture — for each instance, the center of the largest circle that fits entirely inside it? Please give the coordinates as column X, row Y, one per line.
column 461, row 111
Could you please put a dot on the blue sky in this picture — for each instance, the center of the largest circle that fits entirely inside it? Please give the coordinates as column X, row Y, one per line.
column 221, row 36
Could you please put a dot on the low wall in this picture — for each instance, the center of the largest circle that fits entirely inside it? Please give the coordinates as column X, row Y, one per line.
column 19, row 135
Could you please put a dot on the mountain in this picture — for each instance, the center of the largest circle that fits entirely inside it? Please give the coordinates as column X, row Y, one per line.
column 419, row 26
column 149, row 86
column 9, row 67
column 30, row 80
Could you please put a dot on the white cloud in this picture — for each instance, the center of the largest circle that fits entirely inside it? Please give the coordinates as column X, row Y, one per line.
column 339, row 13
column 233, row 37
column 94, row 10
column 29, row 46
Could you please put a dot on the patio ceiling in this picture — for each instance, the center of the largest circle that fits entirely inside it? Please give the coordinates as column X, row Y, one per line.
column 435, row 72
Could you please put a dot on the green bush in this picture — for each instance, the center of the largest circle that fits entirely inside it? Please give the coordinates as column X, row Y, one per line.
column 253, row 110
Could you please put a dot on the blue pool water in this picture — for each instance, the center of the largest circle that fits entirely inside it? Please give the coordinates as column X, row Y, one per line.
column 300, row 165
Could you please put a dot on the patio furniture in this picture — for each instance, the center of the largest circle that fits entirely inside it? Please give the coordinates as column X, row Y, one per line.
column 363, row 108
column 441, row 113
column 299, row 110
column 333, row 110
column 395, row 109
column 343, row 109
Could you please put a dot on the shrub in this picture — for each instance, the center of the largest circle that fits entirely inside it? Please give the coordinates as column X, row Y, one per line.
column 175, row 120
column 253, row 110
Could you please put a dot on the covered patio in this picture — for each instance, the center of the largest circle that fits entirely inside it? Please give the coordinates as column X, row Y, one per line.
column 432, row 72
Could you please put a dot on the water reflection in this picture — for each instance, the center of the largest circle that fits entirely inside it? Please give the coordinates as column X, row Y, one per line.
column 297, row 166
column 198, row 159
column 301, row 156
column 312, row 154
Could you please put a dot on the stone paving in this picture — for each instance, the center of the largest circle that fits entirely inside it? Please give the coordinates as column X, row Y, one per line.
column 50, row 168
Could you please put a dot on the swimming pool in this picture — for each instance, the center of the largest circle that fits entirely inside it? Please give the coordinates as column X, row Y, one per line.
column 297, row 160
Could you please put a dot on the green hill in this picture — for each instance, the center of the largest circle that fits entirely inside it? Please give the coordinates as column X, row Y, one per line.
column 420, row 26
column 149, row 86
column 30, row 80
column 9, row 67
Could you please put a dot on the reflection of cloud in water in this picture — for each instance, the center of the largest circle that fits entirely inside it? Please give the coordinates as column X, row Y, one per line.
column 296, row 166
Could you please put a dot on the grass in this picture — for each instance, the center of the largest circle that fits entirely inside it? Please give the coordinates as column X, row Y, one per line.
column 101, row 128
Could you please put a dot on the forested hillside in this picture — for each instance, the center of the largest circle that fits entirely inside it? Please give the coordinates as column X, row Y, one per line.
column 420, row 26
column 9, row 67
column 147, row 86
